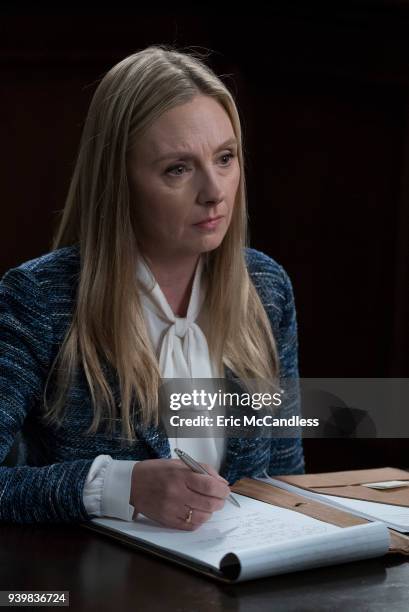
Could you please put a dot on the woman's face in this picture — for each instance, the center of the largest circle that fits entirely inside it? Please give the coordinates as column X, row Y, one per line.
column 182, row 170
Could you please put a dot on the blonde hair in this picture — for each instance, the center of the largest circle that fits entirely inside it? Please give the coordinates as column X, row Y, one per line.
column 108, row 326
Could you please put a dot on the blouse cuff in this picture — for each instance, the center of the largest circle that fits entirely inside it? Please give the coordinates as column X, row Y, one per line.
column 107, row 488
column 117, row 490
column 92, row 492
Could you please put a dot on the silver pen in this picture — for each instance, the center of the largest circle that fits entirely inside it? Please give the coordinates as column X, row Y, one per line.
column 199, row 469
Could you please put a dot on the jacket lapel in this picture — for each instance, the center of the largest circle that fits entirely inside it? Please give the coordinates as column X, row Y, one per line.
column 243, row 456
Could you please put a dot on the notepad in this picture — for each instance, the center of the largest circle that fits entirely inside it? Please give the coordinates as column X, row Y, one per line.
column 395, row 517
column 255, row 540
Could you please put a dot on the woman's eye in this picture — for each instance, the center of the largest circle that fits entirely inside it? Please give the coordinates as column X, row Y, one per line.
column 229, row 155
column 172, row 169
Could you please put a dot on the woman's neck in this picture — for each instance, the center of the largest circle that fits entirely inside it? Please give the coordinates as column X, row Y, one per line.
column 175, row 278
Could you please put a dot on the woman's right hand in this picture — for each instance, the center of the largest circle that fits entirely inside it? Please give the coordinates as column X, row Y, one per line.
column 165, row 490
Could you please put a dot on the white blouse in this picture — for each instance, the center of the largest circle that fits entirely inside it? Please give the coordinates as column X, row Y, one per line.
column 182, row 351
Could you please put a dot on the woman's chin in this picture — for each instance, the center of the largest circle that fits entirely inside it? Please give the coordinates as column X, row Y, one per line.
column 210, row 243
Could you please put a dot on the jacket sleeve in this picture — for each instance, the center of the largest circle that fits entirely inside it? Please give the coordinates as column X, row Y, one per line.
column 287, row 455
column 51, row 493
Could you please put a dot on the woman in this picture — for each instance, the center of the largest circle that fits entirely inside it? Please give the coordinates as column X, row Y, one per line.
column 149, row 278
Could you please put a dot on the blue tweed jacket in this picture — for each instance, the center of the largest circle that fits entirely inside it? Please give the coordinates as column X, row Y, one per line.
column 36, row 305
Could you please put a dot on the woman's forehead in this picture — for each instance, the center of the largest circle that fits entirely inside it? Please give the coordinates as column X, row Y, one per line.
column 180, row 130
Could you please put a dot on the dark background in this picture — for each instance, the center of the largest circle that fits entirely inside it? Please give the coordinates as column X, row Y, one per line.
column 323, row 95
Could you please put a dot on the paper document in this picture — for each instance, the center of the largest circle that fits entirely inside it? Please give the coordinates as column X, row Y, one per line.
column 388, row 484
column 395, row 517
column 259, row 539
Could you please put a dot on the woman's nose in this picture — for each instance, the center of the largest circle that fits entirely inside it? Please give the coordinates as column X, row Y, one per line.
column 211, row 189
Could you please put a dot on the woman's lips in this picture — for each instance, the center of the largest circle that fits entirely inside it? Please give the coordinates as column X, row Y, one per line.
column 209, row 224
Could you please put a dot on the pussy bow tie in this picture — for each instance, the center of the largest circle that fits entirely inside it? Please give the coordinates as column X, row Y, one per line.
column 183, row 350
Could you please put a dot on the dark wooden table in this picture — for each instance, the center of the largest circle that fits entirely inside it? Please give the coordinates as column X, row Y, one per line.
column 102, row 574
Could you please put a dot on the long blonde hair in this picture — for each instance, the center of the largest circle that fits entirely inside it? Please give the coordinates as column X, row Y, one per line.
column 108, row 326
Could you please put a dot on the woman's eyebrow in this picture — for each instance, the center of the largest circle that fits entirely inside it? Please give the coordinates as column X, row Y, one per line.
column 185, row 155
